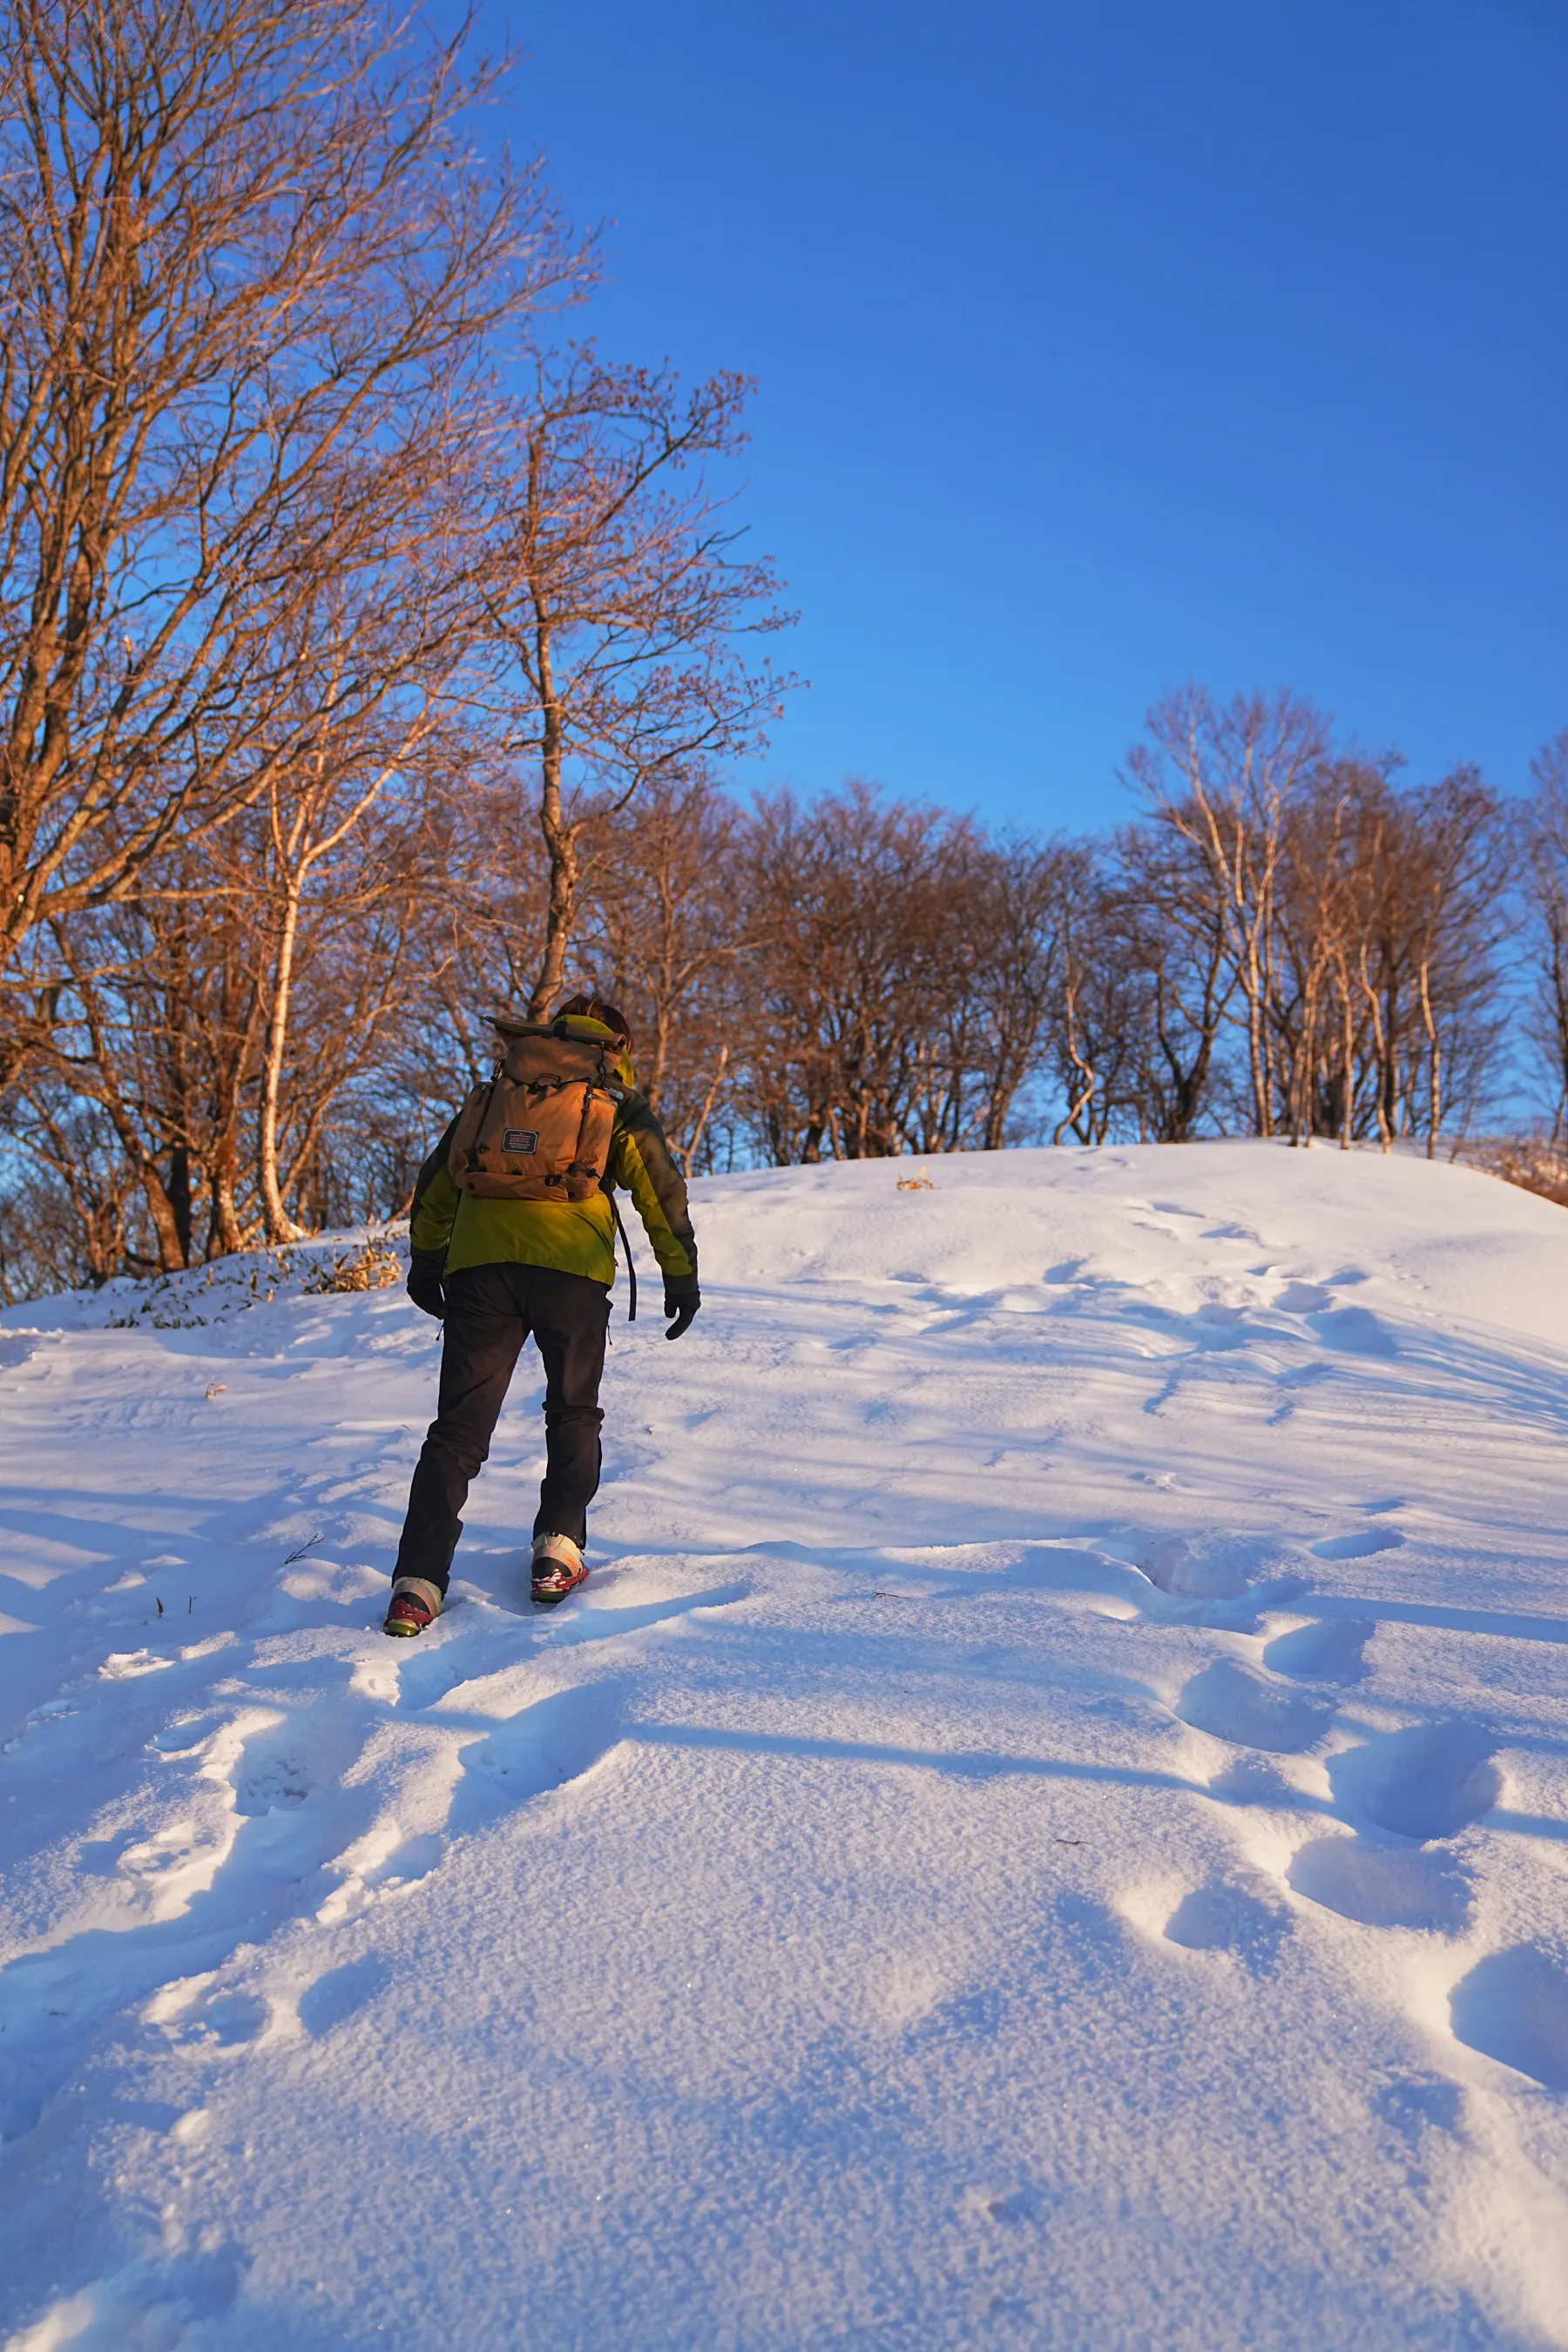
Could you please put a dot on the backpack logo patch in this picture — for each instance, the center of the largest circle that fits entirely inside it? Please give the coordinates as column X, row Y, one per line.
column 521, row 1142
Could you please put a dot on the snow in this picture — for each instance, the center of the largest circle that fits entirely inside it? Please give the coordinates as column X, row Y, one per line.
column 1046, row 1827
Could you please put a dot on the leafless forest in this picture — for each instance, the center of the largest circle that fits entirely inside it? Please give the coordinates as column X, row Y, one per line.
column 376, row 650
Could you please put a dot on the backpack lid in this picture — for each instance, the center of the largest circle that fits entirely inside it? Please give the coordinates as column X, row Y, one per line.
column 564, row 1024
column 575, row 1028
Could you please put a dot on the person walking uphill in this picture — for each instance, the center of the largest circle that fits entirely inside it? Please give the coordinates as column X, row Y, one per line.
column 513, row 1231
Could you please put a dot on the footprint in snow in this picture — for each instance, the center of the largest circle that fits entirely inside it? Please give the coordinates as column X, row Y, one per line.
column 1513, row 2006
column 1361, row 1547
column 433, row 1668
column 1383, row 1886
column 1231, row 1702
column 1219, row 1327
column 1303, row 1298
column 1221, row 1569
column 282, row 1765
column 341, row 1994
column 1331, row 1651
column 1430, row 1782
column 210, row 2017
column 271, row 1783
column 555, row 1740
column 1227, row 1918
column 1353, row 1332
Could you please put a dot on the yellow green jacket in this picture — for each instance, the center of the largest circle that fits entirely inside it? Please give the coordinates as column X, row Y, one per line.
column 574, row 1236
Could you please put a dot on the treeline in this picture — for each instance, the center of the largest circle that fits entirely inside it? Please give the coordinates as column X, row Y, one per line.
column 1283, row 940
column 372, row 656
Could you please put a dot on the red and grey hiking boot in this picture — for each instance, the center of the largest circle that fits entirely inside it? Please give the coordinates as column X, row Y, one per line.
column 559, row 1568
column 416, row 1603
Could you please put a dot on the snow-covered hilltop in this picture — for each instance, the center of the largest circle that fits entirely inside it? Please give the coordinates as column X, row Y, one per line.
column 1048, row 1827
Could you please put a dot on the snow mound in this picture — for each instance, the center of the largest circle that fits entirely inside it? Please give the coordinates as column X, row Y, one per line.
column 327, row 1264
column 1045, row 1827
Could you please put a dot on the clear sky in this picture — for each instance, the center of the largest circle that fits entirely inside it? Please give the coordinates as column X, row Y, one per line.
column 1101, row 346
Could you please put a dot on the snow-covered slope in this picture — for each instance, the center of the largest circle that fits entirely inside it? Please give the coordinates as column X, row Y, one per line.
column 1049, row 1826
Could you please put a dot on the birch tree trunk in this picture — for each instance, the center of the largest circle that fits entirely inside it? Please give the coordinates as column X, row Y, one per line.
column 280, row 1226
column 1434, row 1062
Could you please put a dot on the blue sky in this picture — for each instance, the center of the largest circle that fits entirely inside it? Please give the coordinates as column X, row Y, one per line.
column 1103, row 346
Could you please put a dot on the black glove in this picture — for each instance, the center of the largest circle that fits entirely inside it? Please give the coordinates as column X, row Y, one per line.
column 424, row 1284
column 683, row 1309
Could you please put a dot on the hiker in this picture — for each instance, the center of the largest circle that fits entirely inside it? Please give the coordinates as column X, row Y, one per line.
column 512, row 1231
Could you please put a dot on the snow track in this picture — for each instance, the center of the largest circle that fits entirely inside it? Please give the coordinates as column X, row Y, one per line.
column 1046, row 1827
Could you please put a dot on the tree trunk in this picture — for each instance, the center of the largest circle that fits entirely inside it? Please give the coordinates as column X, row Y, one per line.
column 690, row 1154
column 280, row 1226
column 1380, row 1042
column 1434, row 1065
column 661, row 1056
column 1262, row 1088
column 560, row 841
column 179, row 1192
column 223, row 1234
column 1089, row 1077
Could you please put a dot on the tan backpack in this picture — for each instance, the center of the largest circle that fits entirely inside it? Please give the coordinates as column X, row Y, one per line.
column 540, row 1130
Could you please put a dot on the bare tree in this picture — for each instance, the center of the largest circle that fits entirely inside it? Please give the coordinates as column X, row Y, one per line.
column 1456, row 882
column 1546, row 878
column 1002, row 950
column 252, row 282
column 615, row 591
column 166, row 1023
column 1331, row 872
column 309, row 860
column 844, row 1008
column 1386, row 907
column 665, row 932
column 1224, row 781
column 902, row 981
column 1166, row 915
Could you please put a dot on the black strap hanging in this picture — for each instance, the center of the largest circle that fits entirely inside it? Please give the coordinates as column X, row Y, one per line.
column 631, row 1269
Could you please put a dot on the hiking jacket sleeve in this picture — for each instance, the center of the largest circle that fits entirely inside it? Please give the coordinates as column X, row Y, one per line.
column 641, row 1160
column 435, row 1200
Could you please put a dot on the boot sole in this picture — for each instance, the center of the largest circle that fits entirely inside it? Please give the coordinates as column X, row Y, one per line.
column 553, row 1600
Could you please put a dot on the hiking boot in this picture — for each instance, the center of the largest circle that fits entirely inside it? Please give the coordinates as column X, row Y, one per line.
column 558, row 1568
column 416, row 1603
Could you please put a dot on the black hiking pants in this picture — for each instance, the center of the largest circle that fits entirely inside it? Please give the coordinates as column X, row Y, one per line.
column 491, row 1310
